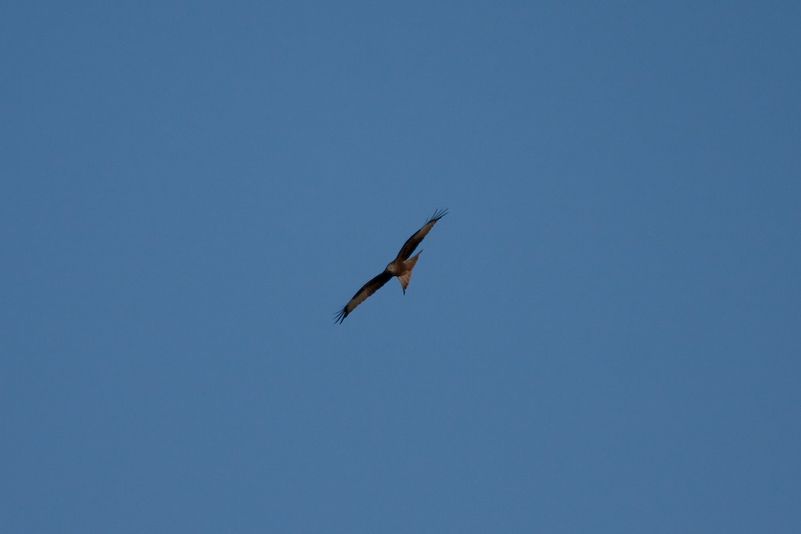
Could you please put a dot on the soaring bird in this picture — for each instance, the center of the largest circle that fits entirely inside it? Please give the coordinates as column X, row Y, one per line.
column 401, row 267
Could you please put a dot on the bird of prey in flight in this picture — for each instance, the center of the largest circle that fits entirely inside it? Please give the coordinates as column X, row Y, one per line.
column 401, row 267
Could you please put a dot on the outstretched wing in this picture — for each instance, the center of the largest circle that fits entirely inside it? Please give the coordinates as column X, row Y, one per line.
column 367, row 289
column 418, row 236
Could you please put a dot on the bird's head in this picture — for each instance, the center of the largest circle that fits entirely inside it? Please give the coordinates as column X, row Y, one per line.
column 392, row 269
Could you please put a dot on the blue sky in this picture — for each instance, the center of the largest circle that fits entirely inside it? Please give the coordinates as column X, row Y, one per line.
column 603, row 335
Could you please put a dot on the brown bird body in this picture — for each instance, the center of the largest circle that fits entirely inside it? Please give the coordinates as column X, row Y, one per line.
column 401, row 267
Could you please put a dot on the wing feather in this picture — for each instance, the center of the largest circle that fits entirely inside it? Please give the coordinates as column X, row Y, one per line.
column 367, row 289
column 418, row 236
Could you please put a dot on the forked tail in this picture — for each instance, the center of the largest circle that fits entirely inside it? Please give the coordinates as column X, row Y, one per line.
column 407, row 273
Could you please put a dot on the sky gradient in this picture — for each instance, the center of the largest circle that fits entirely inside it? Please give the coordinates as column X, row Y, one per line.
column 603, row 335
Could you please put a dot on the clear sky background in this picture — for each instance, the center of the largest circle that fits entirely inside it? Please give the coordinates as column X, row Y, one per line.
column 603, row 335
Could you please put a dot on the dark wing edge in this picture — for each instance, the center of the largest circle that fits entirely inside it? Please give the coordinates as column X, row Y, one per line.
column 418, row 236
column 367, row 289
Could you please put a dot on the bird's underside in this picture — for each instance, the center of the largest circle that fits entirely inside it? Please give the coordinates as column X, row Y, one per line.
column 401, row 267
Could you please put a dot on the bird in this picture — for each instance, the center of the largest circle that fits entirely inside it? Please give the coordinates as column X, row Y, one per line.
column 401, row 267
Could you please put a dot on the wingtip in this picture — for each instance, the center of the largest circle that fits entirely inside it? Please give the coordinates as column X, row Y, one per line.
column 438, row 214
column 340, row 316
